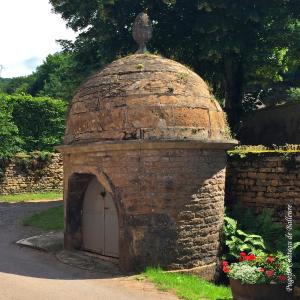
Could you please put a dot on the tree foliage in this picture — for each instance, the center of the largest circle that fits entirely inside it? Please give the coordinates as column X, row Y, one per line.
column 229, row 43
column 56, row 77
column 16, row 85
column 30, row 123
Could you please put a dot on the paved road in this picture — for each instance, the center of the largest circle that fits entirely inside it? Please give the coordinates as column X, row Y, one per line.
column 30, row 274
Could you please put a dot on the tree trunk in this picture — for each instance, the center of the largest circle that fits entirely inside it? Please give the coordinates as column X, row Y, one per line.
column 233, row 82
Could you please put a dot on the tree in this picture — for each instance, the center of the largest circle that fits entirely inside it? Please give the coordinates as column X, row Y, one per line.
column 16, row 85
column 227, row 42
column 55, row 78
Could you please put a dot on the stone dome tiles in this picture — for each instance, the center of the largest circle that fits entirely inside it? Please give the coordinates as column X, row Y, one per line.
column 144, row 97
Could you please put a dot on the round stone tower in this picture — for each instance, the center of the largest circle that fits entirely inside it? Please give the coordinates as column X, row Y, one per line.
column 144, row 166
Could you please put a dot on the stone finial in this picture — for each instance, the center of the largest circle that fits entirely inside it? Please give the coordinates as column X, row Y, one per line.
column 142, row 31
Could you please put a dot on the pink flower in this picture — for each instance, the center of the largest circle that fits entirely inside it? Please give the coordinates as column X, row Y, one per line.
column 270, row 273
column 261, row 270
column 282, row 278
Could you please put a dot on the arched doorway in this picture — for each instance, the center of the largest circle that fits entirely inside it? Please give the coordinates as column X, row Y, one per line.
column 100, row 226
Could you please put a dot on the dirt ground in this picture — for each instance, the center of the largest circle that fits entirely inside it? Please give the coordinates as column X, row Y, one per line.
column 31, row 274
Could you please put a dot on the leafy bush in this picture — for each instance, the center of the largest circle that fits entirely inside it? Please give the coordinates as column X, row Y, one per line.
column 294, row 94
column 40, row 121
column 33, row 162
column 10, row 141
column 237, row 241
column 274, row 234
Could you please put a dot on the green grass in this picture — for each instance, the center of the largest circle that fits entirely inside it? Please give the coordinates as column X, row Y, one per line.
column 31, row 197
column 50, row 219
column 187, row 287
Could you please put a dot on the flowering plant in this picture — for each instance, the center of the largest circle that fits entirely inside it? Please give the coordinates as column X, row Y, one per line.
column 263, row 268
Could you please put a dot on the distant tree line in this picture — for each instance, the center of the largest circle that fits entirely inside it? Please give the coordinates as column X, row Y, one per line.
column 56, row 78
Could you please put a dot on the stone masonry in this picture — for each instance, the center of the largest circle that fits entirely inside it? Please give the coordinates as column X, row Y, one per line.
column 144, row 97
column 268, row 180
column 49, row 178
column 170, row 201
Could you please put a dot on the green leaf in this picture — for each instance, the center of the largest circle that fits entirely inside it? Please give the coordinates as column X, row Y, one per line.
column 296, row 245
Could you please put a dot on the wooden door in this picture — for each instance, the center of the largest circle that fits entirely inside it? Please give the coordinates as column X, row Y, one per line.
column 111, row 227
column 100, row 226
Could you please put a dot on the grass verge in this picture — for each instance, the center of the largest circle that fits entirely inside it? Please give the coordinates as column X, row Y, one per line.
column 187, row 287
column 31, row 197
column 50, row 219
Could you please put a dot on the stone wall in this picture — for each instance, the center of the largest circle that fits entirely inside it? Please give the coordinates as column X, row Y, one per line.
column 268, row 180
column 17, row 179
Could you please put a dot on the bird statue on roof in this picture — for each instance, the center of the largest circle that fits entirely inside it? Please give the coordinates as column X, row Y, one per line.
column 142, row 31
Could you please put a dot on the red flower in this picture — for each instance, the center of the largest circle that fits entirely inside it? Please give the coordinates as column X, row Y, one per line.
column 261, row 270
column 251, row 257
column 225, row 263
column 270, row 259
column 282, row 278
column 226, row 269
column 270, row 273
column 243, row 256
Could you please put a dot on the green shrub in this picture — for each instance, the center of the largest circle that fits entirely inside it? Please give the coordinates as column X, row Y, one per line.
column 294, row 94
column 237, row 241
column 10, row 141
column 33, row 162
column 262, row 224
column 40, row 120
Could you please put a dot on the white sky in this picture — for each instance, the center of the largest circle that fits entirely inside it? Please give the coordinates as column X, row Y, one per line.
column 28, row 30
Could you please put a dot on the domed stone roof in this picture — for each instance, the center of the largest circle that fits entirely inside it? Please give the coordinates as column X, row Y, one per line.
column 148, row 97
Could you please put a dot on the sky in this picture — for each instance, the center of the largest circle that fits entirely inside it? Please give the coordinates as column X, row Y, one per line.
column 28, row 30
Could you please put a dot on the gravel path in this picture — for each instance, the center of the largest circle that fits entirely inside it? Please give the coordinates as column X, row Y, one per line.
column 30, row 274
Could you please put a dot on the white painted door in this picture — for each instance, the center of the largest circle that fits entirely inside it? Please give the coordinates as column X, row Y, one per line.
column 100, row 226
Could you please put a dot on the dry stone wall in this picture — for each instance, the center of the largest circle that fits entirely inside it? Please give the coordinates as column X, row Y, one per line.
column 49, row 177
column 268, row 180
